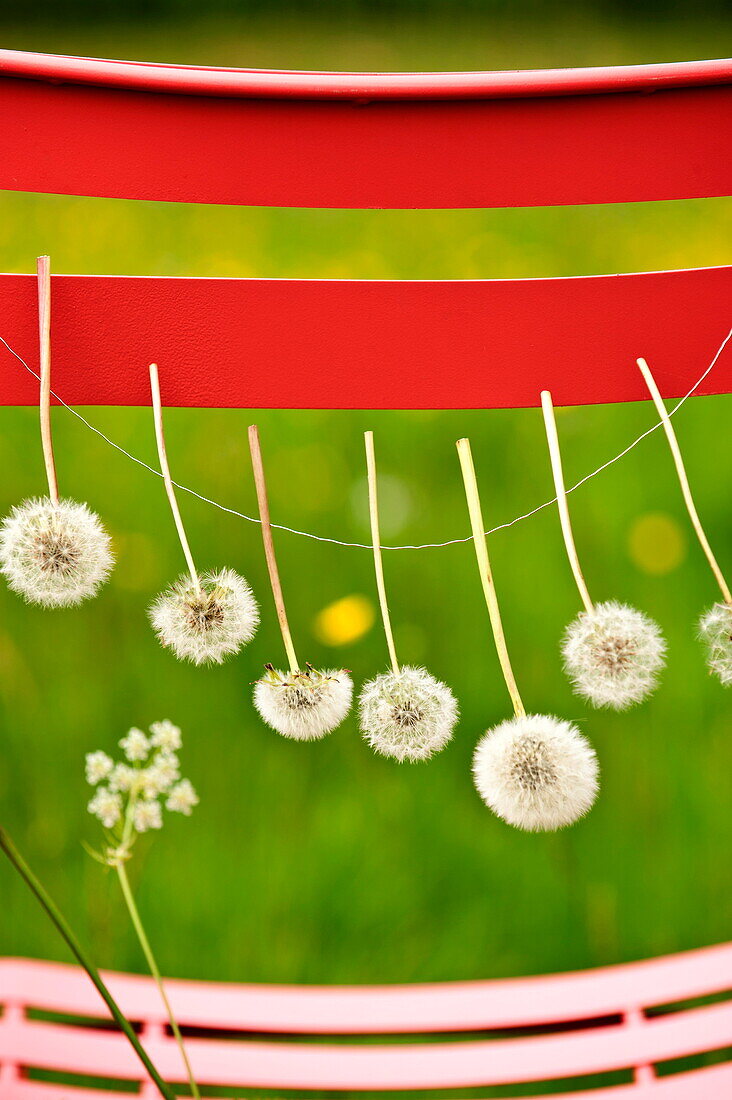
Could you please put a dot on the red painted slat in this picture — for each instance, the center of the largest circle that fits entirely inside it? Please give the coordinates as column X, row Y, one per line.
column 363, row 140
column 331, row 1010
column 383, row 344
column 258, row 1064
column 275, row 83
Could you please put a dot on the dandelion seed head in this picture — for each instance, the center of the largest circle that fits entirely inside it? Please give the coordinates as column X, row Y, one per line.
column 147, row 815
column 304, row 705
column 164, row 735
column 715, row 629
column 98, row 767
column 536, row 772
column 613, row 655
column 407, row 715
column 208, row 626
column 107, row 806
column 135, row 745
column 182, row 798
column 54, row 554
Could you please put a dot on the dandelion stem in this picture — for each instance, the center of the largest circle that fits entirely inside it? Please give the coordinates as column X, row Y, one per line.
column 556, row 459
column 165, row 470
column 376, row 540
column 63, row 928
column 43, row 268
column 154, row 970
column 269, row 550
column 484, row 568
column 683, row 479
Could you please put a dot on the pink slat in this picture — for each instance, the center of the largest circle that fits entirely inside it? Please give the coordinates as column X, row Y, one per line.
column 709, row 1083
column 448, row 1006
column 363, row 140
column 269, row 343
column 409, row 1066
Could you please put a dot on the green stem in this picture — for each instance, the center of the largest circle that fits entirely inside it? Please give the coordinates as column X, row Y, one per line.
column 154, row 970
column 53, row 912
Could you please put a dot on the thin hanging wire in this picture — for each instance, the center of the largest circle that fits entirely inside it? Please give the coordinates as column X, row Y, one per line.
column 367, row 545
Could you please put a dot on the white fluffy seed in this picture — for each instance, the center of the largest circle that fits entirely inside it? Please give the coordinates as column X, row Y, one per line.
column 407, row 715
column 304, row 705
column 536, row 772
column 613, row 655
column 206, row 627
column 715, row 628
column 56, row 555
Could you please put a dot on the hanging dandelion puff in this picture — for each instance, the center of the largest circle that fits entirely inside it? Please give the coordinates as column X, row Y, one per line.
column 406, row 713
column 534, row 771
column 612, row 653
column 208, row 623
column 715, row 627
column 128, row 800
column 53, row 552
column 203, row 618
column 303, row 704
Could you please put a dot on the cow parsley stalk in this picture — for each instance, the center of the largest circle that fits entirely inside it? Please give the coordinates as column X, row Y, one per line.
column 128, row 800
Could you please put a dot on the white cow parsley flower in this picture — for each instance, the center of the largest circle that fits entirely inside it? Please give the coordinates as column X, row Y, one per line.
column 135, row 745
column 536, row 772
column 107, row 806
column 147, row 815
column 613, row 655
column 54, row 554
column 182, row 798
column 136, row 788
column 98, row 767
column 407, row 715
column 715, row 630
column 208, row 626
column 165, row 736
column 303, row 705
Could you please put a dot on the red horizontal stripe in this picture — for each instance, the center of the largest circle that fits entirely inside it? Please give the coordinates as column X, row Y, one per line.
column 273, row 83
column 353, row 148
column 354, row 344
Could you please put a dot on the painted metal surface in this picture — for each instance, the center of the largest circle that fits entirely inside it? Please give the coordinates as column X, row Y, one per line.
column 173, row 133
column 611, row 1001
column 255, row 343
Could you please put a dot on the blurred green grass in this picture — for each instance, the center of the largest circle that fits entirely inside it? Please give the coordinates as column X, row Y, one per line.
column 322, row 863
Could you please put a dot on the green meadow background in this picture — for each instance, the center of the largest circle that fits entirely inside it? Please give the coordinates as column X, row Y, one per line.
column 322, row 862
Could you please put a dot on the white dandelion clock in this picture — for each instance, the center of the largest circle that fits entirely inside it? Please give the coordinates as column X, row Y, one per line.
column 203, row 618
column 303, row 704
column 206, row 623
column 405, row 714
column 55, row 553
column 613, row 655
column 535, row 772
column 715, row 630
column 715, row 627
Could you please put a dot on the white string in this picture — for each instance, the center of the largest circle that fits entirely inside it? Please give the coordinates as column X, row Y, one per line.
column 366, row 545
